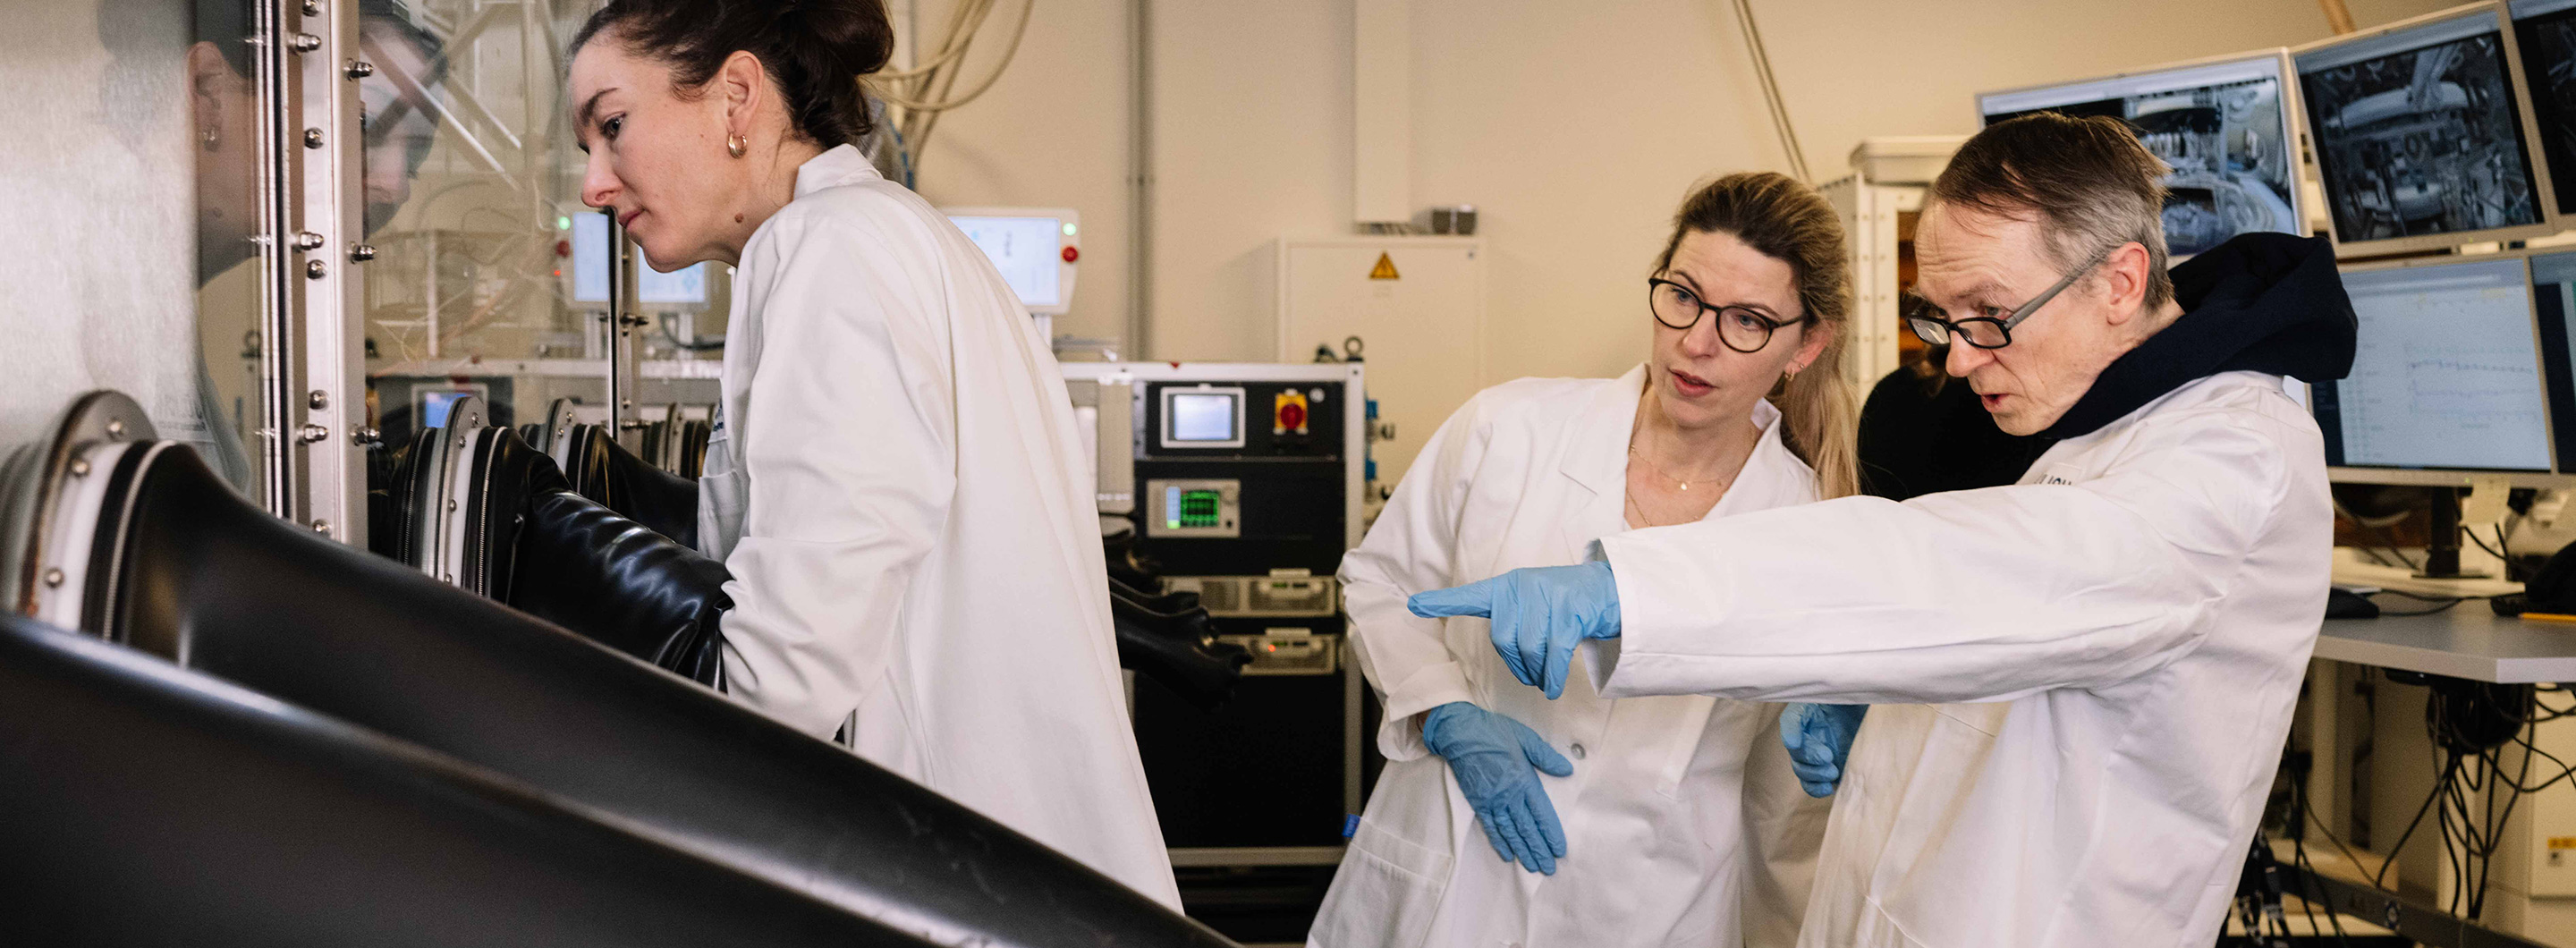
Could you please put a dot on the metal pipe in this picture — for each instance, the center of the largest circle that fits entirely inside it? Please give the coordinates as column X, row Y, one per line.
column 2338, row 16
column 1140, row 162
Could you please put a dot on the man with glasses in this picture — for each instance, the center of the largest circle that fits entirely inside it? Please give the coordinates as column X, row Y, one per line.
column 2084, row 680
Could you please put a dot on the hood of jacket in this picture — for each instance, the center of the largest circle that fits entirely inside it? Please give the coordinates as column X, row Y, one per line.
column 2262, row 302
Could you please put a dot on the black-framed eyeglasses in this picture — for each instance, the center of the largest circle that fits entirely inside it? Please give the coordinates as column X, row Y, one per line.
column 1989, row 332
column 1741, row 328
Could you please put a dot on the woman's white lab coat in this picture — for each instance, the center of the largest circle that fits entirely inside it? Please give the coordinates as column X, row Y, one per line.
column 1683, row 823
column 897, row 487
column 2084, row 679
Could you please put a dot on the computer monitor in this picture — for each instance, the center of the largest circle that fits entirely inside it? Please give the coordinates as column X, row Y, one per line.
column 2422, row 138
column 2223, row 124
column 684, row 288
column 2553, row 299
column 1036, row 249
column 589, row 257
column 2446, row 381
column 2545, row 35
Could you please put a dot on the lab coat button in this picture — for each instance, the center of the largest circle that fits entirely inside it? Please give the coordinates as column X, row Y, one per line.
column 1578, row 751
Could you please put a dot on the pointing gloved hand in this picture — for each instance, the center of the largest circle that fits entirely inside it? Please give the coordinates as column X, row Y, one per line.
column 1539, row 615
column 1498, row 761
column 1819, row 739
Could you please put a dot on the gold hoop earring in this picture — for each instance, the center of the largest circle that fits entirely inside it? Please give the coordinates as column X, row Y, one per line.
column 734, row 145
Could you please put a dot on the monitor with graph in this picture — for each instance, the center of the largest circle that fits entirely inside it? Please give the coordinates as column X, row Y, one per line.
column 2447, row 379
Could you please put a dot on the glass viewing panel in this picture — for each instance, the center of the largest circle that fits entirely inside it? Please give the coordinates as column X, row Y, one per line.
column 490, row 274
column 231, row 315
column 2446, row 376
column 2221, row 126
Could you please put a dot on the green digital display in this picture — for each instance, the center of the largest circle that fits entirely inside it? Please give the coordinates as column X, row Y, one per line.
column 1184, row 509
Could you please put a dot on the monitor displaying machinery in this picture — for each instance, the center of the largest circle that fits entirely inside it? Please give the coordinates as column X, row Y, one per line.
column 1034, row 247
column 2421, row 137
column 2545, row 33
column 2447, row 376
column 2223, row 125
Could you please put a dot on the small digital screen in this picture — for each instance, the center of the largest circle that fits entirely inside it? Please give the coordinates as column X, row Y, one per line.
column 2222, row 129
column 2446, row 375
column 2546, row 32
column 1205, row 417
column 590, row 257
column 685, row 285
column 1184, row 509
column 2417, row 132
column 435, row 406
column 1028, row 251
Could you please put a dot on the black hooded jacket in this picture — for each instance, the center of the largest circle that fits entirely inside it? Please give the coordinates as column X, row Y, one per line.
column 2259, row 302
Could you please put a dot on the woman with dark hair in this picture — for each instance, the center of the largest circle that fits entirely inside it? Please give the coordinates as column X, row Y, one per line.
column 1658, row 821
column 895, row 481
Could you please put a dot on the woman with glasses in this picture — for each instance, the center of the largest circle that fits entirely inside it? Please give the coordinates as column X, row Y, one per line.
column 1504, row 817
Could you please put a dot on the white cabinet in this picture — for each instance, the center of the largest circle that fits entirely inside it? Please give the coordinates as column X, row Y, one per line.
column 1417, row 304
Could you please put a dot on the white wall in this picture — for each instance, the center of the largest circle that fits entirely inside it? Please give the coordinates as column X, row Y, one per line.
column 1574, row 128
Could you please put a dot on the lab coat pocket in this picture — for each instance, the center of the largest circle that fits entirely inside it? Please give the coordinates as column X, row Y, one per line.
column 720, row 503
column 1387, row 891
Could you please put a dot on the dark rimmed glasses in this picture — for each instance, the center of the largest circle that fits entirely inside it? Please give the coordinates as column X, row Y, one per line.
column 1741, row 328
column 1989, row 332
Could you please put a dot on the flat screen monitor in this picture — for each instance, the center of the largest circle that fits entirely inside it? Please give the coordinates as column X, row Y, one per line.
column 1202, row 417
column 1035, row 249
column 2222, row 124
column 2446, row 376
column 2545, row 33
column 2422, row 137
column 686, row 286
column 589, row 257
column 2553, row 300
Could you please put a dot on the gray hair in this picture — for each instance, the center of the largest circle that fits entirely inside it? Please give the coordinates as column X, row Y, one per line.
column 2087, row 182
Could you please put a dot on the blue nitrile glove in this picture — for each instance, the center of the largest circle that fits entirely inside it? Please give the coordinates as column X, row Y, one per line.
column 1819, row 739
column 1539, row 614
column 1498, row 761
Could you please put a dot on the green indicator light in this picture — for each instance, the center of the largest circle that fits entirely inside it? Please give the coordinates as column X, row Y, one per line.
column 1068, row 230
column 563, row 223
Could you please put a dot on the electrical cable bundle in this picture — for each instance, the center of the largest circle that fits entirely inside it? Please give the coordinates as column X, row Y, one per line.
column 2470, row 723
column 926, row 90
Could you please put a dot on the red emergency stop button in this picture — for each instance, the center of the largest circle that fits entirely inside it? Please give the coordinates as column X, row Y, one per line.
column 1072, row 254
column 1288, row 413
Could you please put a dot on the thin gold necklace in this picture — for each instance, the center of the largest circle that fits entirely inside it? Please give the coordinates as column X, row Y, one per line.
column 1668, row 475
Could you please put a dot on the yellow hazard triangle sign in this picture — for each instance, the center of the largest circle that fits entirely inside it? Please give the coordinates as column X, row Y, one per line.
column 1385, row 269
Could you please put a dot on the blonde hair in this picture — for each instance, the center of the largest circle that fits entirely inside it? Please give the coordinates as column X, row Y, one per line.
column 1790, row 222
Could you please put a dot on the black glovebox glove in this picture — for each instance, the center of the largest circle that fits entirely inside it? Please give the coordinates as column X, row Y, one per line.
column 582, row 566
column 1177, row 649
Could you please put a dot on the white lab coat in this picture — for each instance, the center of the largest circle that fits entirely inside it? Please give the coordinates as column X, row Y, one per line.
column 897, row 487
column 1683, row 822
column 2084, row 680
